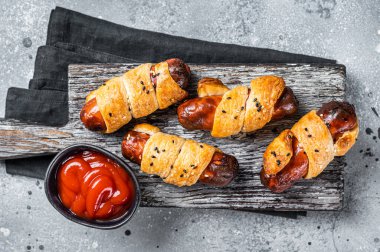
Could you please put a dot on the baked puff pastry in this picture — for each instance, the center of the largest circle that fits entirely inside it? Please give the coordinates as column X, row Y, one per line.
column 178, row 161
column 310, row 145
column 227, row 112
column 137, row 93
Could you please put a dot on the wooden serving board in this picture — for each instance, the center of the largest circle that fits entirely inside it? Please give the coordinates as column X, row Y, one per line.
column 312, row 84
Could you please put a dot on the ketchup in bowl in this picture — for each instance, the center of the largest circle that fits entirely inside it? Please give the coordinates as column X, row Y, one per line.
column 93, row 186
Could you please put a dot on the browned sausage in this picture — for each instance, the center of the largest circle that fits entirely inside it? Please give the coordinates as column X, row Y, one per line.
column 286, row 105
column 179, row 71
column 221, row 170
column 295, row 170
column 339, row 118
column 91, row 116
column 198, row 113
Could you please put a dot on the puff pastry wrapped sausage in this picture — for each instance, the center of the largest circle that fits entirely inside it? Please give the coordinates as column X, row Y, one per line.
column 306, row 149
column 227, row 112
column 178, row 161
column 137, row 93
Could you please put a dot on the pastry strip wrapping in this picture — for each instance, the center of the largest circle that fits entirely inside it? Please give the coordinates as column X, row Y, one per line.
column 160, row 152
column 168, row 91
column 315, row 138
column 112, row 100
column 229, row 115
column 177, row 160
column 140, row 90
column 264, row 94
column 190, row 163
column 133, row 95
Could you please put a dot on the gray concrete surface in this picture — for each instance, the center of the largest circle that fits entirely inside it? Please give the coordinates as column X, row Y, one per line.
column 348, row 31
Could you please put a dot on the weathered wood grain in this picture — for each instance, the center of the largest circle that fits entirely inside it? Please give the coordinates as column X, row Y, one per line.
column 312, row 84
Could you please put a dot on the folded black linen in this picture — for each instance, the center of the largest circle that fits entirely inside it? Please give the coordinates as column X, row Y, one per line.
column 77, row 38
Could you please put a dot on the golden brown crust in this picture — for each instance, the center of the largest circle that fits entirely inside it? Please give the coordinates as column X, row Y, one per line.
column 314, row 136
column 146, row 128
column 112, row 101
column 140, row 90
column 211, row 86
column 168, row 91
column 346, row 141
column 264, row 94
column 190, row 163
column 229, row 115
column 160, row 152
column 278, row 153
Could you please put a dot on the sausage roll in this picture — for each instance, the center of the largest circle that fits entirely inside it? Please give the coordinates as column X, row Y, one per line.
column 227, row 112
column 178, row 161
column 137, row 93
column 306, row 149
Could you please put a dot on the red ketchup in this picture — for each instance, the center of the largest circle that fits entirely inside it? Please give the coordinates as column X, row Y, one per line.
column 93, row 186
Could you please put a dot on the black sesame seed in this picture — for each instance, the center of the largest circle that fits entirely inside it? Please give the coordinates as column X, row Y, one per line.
column 242, row 108
column 257, row 104
column 288, row 154
column 151, row 164
column 316, row 150
column 255, row 99
column 184, row 170
column 163, row 150
column 223, row 111
column 278, row 162
column 228, row 98
column 306, row 129
column 181, row 176
column 110, row 114
column 171, row 167
column 141, row 82
column 143, row 88
column 236, row 117
column 172, row 141
column 153, row 156
column 309, row 135
column 274, row 153
column 201, row 146
column 147, row 92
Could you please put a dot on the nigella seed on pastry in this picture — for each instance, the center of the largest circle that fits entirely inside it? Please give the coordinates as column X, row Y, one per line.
column 278, row 162
column 201, row 146
column 153, row 156
column 151, row 164
column 242, row 108
column 181, row 175
column 274, row 153
column 306, row 129
column 110, row 114
column 309, row 136
column 141, row 82
column 184, row 170
column 228, row 98
column 316, row 150
column 288, row 154
column 223, row 111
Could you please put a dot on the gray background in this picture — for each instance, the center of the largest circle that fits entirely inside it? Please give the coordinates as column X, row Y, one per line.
column 344, row 30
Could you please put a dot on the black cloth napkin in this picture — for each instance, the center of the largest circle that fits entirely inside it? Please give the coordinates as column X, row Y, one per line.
column 77, row 38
